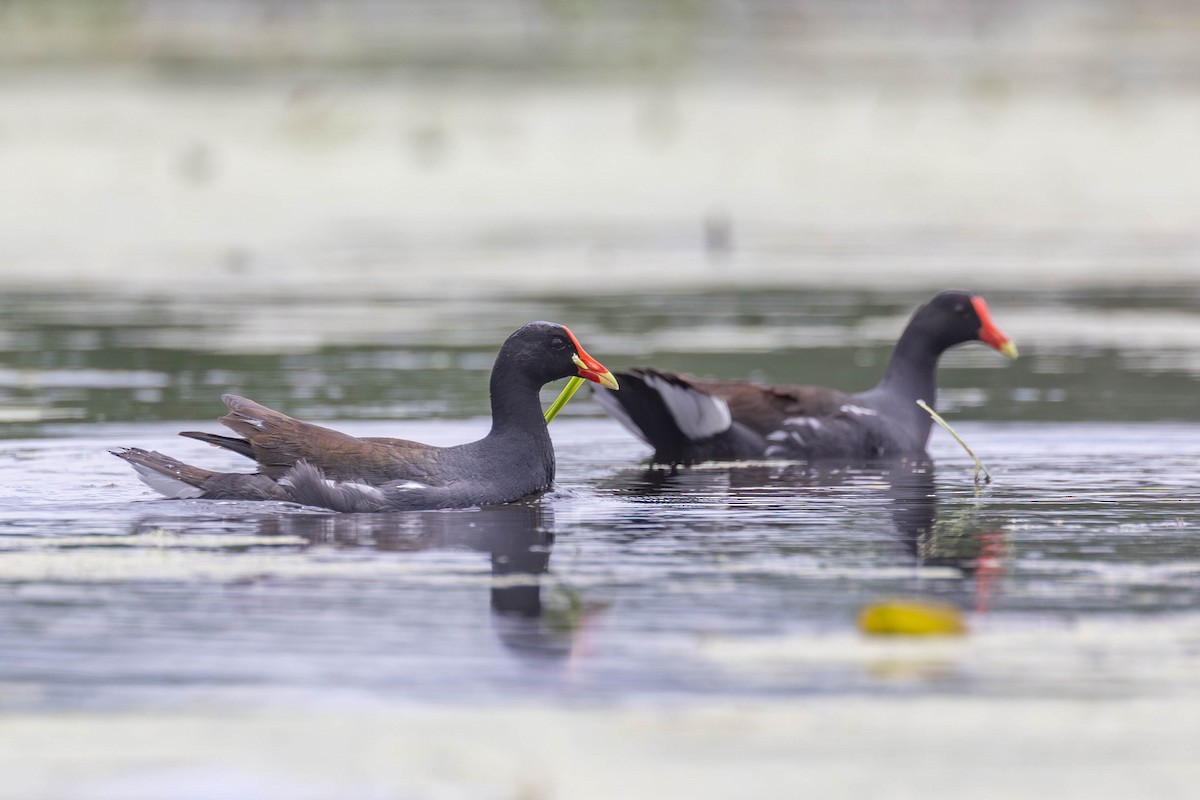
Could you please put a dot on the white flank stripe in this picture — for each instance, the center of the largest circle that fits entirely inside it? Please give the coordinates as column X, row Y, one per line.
column 858, row 410
column 365, row 489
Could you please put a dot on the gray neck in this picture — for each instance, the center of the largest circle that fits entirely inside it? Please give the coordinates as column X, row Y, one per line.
column 516, row 404
column 911, row 375
column 912, row 371
column 519, row 440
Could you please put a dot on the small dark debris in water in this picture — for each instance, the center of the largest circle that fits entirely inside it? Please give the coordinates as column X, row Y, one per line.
column 718, row 234
column 238, row 261
column 197, row 164
column 429, row 143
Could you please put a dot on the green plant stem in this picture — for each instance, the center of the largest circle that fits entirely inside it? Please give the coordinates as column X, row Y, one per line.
column 979, row 467
column 564, row 396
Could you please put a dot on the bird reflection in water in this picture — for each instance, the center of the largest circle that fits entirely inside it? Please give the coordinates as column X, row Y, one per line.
column 533, row 614
column 960, row 538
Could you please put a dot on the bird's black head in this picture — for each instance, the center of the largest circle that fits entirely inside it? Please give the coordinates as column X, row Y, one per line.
column 953, row 317
column 547, row 351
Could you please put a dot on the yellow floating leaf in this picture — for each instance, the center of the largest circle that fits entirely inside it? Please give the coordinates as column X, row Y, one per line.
column 911, row 618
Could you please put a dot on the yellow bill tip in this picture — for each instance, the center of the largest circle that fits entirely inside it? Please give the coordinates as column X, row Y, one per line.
column 608, row 381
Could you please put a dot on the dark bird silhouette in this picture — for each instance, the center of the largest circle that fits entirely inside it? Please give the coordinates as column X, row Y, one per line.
column 313, row 465
column 687, row 420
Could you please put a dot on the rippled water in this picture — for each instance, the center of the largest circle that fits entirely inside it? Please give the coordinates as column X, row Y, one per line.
column 1078, row 568
column 341, row 212
column 628, row 581
column 624, row 583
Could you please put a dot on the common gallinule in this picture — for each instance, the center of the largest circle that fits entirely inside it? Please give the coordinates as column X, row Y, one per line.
column 687, row 420
column 313, row 465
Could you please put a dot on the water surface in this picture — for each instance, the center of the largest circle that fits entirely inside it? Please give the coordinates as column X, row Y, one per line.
column 1078, row 568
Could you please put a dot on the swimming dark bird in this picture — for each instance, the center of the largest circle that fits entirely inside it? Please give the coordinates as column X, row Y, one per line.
column 310, row 464
column 688, row 420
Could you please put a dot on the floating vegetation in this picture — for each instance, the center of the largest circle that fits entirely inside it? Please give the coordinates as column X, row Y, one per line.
column 911, row 618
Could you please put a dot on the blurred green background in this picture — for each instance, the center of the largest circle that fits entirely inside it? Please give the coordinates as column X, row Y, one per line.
column 343, row 207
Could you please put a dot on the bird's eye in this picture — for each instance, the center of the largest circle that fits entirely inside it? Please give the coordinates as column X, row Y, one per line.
column 557, row 343
column 960, row 308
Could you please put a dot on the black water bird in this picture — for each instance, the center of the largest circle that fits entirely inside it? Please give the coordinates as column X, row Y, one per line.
column 313, row 465
column 688, row 420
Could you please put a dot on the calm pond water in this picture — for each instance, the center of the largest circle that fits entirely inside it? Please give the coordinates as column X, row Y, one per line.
column 1078, row 567
column 625, row 582
column 341, row 210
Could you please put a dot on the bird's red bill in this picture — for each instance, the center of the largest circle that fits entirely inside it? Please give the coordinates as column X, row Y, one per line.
column 589, row 367
column 989, row 334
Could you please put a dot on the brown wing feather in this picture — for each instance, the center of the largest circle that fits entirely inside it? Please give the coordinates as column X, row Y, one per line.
column 763, row 408
column 279, row 442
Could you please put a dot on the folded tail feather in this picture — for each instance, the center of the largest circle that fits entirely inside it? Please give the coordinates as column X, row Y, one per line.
column 179, row 481
column 239, row 446
column 164, row 474
column 665, row 411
